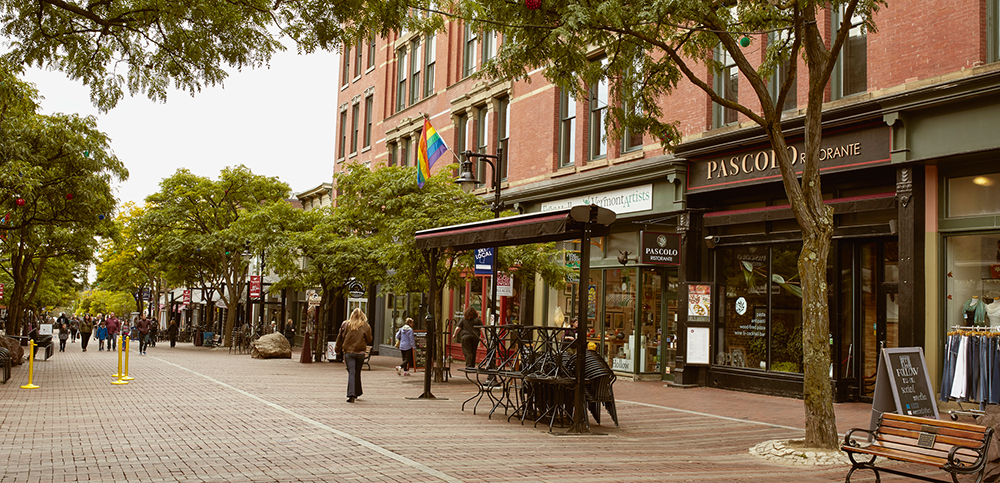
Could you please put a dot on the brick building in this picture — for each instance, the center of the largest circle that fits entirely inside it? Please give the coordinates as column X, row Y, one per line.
column 910, row 167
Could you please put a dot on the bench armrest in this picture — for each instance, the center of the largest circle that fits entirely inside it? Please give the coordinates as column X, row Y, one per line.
column 850, row 442
column 963, row 467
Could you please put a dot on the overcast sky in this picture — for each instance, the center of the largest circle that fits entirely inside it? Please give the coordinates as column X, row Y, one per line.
column 277, row 121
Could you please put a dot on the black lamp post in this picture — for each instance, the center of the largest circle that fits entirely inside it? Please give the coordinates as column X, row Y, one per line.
column 467, row 179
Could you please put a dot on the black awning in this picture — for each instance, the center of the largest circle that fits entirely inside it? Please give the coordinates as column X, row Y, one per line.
column 519, row 230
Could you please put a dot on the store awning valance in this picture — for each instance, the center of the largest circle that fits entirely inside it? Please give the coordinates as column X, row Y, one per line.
column 542, row 227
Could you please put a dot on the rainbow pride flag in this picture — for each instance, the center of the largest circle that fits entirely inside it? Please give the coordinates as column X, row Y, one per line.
column 430, row 148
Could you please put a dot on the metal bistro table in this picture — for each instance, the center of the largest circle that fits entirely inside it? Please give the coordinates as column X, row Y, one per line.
column 534, row 368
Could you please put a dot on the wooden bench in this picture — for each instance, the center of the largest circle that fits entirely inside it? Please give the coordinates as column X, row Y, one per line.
column 957, row 448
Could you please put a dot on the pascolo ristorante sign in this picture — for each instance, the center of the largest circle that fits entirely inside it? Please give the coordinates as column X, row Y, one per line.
column 842, row 150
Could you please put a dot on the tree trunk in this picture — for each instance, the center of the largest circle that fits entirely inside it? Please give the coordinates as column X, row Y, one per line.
column 821, row 420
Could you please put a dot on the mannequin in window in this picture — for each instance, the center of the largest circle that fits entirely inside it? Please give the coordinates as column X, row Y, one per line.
column 974, row 311
column 993, row 310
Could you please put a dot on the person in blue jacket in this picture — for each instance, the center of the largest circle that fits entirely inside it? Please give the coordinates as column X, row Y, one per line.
column 406, row 344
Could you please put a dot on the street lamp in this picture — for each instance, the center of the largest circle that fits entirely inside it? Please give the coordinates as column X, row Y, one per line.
column 467, row 180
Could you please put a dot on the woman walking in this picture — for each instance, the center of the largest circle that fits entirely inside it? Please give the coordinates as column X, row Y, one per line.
column 352, row 341
column 86, row 328
column 406, row 343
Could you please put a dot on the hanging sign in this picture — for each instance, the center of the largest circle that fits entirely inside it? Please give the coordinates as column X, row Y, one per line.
column 356, row 289
column 505, row 285
column 902, row 385
column 660, row 248
column 484, row 261
column 1, row 290
column 313, row 298
column 187, row 297
column 255, row 286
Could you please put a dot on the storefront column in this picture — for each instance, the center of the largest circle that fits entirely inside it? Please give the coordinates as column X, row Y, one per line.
column 909, row 228
column 692, row 246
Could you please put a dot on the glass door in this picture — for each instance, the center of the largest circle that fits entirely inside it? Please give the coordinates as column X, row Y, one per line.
column 878, row 310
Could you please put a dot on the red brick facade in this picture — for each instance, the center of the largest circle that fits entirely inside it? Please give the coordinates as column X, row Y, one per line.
column 914, row 41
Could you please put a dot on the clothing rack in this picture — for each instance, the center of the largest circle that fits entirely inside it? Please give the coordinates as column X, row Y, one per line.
column 971, row 367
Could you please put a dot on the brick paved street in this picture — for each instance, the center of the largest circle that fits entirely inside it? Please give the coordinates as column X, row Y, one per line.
column 200, row 414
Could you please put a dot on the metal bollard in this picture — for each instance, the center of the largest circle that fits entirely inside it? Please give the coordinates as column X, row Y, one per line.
column 119, row 374
column 31, row 366
column 127, row 343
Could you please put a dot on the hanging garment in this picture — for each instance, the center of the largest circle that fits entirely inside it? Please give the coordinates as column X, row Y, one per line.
column 959, row 379
column 948, row 372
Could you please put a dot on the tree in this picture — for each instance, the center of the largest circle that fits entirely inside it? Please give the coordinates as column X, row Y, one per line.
column 144, row 46
column 200, row 217
column 56, row 194
column 651, row 48
column 316, row 248
column 128, row 258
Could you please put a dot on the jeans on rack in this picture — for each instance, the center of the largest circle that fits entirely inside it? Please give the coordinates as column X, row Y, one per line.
column 948, row 372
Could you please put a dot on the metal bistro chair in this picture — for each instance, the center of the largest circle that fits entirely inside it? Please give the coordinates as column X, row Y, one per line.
column 6, row 360
column 599, row 382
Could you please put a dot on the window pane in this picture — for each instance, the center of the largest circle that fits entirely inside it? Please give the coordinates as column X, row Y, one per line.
column 786, row 309
column 567, row 129
column 401, row 79
column 429, row 53
column 974, row 195
column 369, row 105
column 343, row 134
column 598, row 119
column 742, row 333
column 415, row 62
column 503, row 134
column 355, row 116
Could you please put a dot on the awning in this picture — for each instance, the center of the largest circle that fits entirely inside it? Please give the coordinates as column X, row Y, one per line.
column 542, row 227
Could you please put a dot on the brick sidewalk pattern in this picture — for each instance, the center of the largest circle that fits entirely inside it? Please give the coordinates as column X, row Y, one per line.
column 196, row 414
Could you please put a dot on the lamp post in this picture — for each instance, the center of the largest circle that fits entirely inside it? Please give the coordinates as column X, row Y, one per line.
column 467, row 179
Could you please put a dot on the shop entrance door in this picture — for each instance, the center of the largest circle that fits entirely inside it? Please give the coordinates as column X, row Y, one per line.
column 870, row 319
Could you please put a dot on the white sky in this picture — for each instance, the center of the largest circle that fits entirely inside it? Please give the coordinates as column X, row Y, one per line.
column 277, row 121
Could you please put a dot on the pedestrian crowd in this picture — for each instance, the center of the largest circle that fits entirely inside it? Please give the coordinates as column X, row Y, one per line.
column 106, row 329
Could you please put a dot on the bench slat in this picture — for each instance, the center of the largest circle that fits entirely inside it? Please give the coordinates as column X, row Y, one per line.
column 974, row 436
column 887, row 418
column 898, row 455
column 939, row 451
column 941, row 439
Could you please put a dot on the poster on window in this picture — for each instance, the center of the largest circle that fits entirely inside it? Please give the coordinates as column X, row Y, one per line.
column 699, row 302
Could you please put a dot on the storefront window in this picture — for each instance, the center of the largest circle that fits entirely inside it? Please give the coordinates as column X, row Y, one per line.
column 786, row 310
column 973, row 280
column 760, row 317
column 619, row 318
column 973, row 195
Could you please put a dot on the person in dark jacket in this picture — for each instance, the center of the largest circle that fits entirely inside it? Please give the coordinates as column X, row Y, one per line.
column 172, row 333
column 468, row 333
column 352, row 341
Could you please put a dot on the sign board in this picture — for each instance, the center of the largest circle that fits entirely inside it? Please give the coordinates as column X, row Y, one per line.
column 484, row 261
column 187, row 297
column 699, row 302
column 660, row 248
column 697, row 345
column 902, row 385
column 313, row 298
column 45, row 329
column 505, row 285
column 420, row 349
column 356, row 289
column 621, row 201
column 1, row 290
column 255, row 286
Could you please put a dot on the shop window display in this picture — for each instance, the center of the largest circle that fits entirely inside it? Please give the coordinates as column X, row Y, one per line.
column 973, row 280
column 619, row 318
column 760, row 318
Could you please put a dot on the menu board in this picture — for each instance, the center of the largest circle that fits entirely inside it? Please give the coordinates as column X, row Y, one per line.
column 420, row 349
column 902, row 384
column 699, row 302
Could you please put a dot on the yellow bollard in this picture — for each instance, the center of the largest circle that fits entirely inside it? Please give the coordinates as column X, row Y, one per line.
column 31, row 365
column 119, row 375
column 126, row 342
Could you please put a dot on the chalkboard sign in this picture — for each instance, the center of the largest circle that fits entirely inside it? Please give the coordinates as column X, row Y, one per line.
column 420, row 351
column 902, row 385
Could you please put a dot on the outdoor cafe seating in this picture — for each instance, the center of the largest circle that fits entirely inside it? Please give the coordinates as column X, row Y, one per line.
column 530, row 372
